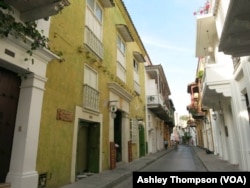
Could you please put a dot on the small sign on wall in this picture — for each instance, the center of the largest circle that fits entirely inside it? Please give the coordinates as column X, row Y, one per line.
column 64, row 115
column 134, row 130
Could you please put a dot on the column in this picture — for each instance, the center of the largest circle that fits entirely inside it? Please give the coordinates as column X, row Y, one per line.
column 22, row 172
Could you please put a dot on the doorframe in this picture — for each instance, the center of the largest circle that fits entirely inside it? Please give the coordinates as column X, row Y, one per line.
column 82, row 114
column 16, row 83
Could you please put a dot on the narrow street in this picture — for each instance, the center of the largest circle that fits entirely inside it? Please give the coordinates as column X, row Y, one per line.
column 185, row 159
column 182, row 159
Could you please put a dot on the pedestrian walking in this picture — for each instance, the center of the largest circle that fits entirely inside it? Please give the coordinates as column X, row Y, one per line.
column 172, row 139
column 166, row 144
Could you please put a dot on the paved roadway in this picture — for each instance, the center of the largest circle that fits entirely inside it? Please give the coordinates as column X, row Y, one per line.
column 182, row 159
column 186, row 158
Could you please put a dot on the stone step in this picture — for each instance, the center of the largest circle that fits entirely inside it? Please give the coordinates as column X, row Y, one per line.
column 4, row 185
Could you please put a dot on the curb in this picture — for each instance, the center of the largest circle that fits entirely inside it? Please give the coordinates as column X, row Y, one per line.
column 129, row 174
column 200, row 158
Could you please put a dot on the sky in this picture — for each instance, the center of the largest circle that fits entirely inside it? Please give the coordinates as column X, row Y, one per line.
column 167, row 29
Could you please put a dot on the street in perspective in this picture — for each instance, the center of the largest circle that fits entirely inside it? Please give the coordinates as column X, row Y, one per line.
column 182, row 159
column 122, row 93
column 186, row 158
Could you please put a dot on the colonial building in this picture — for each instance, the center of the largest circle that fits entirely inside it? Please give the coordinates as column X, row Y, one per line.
column 82, row 110
column 94, row 106
column 160, row 109
column 23, row 78
column 76, row 104
column 222, row 42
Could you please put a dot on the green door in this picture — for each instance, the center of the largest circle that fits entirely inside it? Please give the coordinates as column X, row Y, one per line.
column 94, row 149
column 88, row 147
column 142, row 141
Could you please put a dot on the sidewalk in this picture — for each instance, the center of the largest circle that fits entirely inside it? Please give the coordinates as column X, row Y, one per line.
column 213, row 162
column 109, row 178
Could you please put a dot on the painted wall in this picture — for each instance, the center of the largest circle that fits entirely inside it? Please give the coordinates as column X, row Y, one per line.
column 64, row 88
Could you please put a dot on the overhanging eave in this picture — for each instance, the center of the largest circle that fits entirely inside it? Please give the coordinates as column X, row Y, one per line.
column 235, row 39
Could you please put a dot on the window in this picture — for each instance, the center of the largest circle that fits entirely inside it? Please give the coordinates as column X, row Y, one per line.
column 137, row 87
column 248, row 106
column 90, row 77
column 93, row 5
column 93, row 32
column 98, row 12
column 121, row 45
column 136, row 67
column 149, row 121
column 91, row 94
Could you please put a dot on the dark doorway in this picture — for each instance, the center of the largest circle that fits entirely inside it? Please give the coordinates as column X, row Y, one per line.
column 9, row 94
column 142, row 141
column 118, row 135
column 88, row 146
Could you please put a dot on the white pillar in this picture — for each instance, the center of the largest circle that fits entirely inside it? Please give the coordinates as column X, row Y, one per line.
column 125, row 136
column 22, row 172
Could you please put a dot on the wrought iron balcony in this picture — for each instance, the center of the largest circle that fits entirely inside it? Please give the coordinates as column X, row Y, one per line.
column 91, row 98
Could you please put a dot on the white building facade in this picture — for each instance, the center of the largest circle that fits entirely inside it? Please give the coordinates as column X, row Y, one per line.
column 159, row 119
column 20, row 170
column 225, row 86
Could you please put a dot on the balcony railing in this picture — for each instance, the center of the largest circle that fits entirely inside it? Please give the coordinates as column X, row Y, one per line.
column 93, row 43
column 156, row 104
column 91, row 98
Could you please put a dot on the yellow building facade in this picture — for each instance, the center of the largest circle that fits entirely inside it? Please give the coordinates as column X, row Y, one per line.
column 93, row 112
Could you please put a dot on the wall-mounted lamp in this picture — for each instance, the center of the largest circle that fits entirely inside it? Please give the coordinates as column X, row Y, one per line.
column 113, row 108
column 214, row 116
column 113, row 115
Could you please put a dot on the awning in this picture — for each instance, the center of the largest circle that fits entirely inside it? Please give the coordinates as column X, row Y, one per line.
column 139, row 57
column 235, row 38
column 217, row 81
column 124, row 32
column 107, row 3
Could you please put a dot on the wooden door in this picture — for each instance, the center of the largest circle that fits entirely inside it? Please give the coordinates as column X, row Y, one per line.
column 9, row 93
